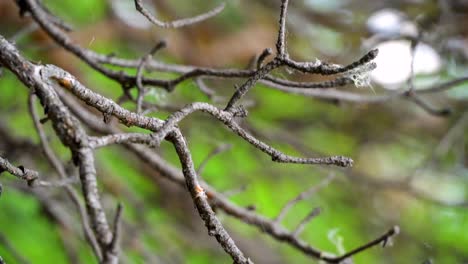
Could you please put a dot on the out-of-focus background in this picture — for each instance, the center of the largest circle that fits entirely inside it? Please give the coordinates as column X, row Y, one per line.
column 410, row 166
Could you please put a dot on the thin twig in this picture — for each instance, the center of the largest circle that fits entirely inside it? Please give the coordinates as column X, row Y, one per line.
column 304, row 195
column 427, row 107
column 117, row 229
column 21, row 172
column 181, row 22
column 28, row 29
column 382, row 239
column 449, row 138
column 311, row 215
column 281, row 42
column 210, row 93
column 266, row 52
column 144, row 60
column 220, row 149
column 236, row 191
column 53, row 184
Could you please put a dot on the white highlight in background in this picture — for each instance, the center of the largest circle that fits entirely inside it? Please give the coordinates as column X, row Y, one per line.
column 394, row 62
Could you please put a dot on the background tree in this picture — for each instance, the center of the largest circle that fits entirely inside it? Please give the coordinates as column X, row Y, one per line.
column 131, row 131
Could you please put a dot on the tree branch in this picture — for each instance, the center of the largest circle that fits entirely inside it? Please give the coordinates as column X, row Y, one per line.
column 181, row 22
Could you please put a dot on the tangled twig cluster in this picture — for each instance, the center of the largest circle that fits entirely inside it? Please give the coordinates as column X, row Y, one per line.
column 53, row 86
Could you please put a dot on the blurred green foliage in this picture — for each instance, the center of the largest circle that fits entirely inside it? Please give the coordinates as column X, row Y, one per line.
column 84, row 12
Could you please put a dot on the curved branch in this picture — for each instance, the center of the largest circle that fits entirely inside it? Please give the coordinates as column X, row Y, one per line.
column 180, row 22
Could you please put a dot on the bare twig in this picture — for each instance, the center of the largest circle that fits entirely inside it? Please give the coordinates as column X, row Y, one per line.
column 280, row 44
column 121, row 138
column 414, row 43
column 177, row 23
column 116, row 232
column 144, row 60
column 59, row 183
column 382, row 239
column 427, row 107
column 450, row 137
column 220, row 149
column 227, row 118
column 235, row 191
column 28, row 29
column 210, row 93
column 304, row 195
column 266, row 52
column 311, row 215
column 21, row 172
